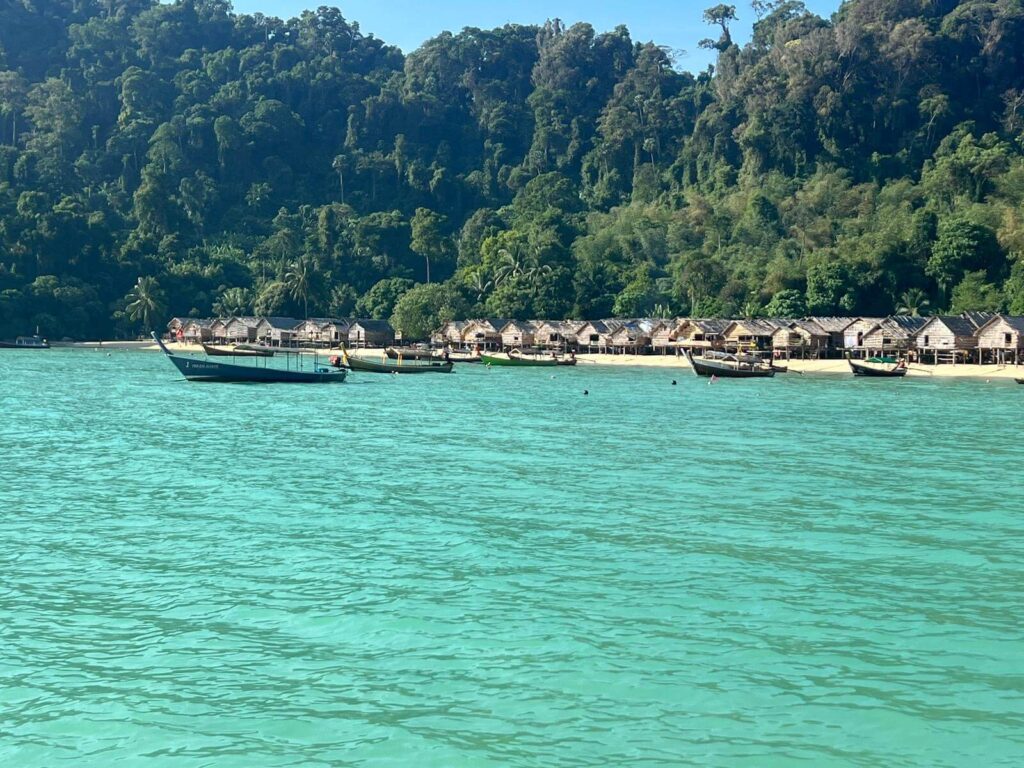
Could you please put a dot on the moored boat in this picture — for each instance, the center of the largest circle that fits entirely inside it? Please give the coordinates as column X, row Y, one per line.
column 727, row 366
column 26, row 342
column 238, row 351
column 878, row 367
column 409, row 353
column 391, row 366
column 511, row 359
column 196, row 369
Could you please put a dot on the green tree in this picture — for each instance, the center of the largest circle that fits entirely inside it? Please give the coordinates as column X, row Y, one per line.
column 145, row 302
column 786, row 303
column 913, row 301
column 425, row 308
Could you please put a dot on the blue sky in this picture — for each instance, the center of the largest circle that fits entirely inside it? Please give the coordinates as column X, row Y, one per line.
column 407, row 23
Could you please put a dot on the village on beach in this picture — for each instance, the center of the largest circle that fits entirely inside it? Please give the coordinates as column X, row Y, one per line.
column 973, row 342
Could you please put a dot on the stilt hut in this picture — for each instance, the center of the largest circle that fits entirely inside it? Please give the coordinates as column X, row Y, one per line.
column 219, row 329
column 1001, row 340
column 804, row 339
column 750, row 334
column 335, row 332
column 449, row 334
column 853, row 335
column 632, row 337
column 197, row 331
column 665, row 333
column 557, row 334
column 277, row 331
column 370, row 333
column 946, row 339
column 699, row 335
column 516, row 334
column 835, row 327
column 892, row 336
column 484, row 333
column 595, row 336
column 241, row 329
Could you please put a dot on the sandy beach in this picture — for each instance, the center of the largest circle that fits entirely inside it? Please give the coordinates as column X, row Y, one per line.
column 804, row 367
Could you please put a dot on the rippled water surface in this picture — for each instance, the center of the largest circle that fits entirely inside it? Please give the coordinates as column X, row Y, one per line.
column 492, row 569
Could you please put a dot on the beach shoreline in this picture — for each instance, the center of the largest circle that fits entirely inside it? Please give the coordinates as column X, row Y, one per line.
column 830, row 367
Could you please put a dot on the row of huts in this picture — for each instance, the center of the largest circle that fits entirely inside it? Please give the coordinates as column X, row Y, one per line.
column 969, row 337
column 283, row 331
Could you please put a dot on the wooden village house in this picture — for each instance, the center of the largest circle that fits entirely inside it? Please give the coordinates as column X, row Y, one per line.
column 449, row 334
column 665, row 333
column 371, row 333
column 853, row 335
column 750, row 334
column 484, row 334
column 197, row 331
column 595, row 336
column 556, row 334
column 946, row 339
column 893, row 336
column 804, row 339
column 1001, row 340
column 241, row 329
column 701, row 334
column 516, row 334
column 277, row 331
column 631, row 337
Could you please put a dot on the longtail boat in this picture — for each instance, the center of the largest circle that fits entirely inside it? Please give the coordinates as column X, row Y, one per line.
column 521, row 361
column 409, row 353
column 237, row 351
column 196, row 369
column 25, row 342
column 390, row 366
column 878, row 367
column 726, row 366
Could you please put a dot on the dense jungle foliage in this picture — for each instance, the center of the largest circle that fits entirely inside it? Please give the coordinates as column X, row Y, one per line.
column 160, row 159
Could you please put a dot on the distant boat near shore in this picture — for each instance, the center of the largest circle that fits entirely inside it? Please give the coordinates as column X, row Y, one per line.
column 879, row 368
column 727, row 366
column 518, row 360
column 237, row 351
column 391, row 366
column 26, row 342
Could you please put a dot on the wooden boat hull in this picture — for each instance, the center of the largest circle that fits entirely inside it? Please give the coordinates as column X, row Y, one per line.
column 213, row 351
column 521, row 362
column 369, row 366
column 195, row 369
column 394, row 353
column 723, row 370
column 861, row 369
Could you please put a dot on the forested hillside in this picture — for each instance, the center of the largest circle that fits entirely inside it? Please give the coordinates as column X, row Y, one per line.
column 238, row 164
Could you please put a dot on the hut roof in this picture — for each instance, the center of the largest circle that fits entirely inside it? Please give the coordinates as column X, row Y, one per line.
column 282, row 323
column 712, row 325
column 906, row 325
column 809, row 326
column 959, row 326
column 382, row 326
column 833, row 324
column 978, row 319
column 523, row 326
column 494, row 324
column 757, row 326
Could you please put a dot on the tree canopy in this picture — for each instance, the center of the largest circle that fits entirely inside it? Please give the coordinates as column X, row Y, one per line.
column 247, row 163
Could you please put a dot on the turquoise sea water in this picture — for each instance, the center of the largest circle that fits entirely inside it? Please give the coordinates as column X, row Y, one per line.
column 492, row 569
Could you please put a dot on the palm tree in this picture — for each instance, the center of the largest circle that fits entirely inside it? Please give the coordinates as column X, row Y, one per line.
column 299, row 281
column 480, row 285
column 233, row 302
column 145, row 301
column 913, row 301
column 511, row 265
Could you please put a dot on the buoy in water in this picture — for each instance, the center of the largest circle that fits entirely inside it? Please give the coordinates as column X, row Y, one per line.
column 586, row 391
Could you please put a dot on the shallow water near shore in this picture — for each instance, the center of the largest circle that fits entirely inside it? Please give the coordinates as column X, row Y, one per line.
column 493, row 569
